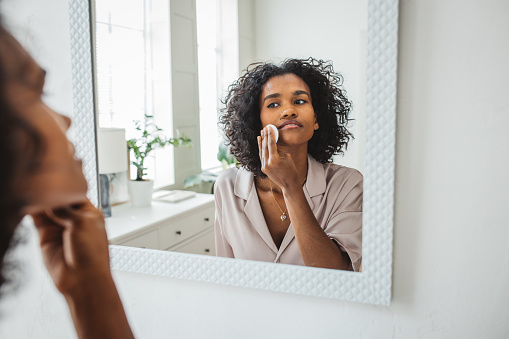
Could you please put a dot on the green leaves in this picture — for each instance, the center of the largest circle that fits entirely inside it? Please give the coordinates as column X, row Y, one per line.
column 151, row 138
column 197, row 179
column 224, row 156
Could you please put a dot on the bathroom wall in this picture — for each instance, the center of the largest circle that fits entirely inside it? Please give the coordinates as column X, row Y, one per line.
column 43, row 29
column 451, row 240
column 331, row 30
column 35, row 309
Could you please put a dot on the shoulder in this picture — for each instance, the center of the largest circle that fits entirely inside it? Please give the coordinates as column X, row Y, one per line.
column 344, row 187
column 236, row 179
column 226, row 180
column 333, row 173
column 342, row 174
column 227, row 176
column 343, row 183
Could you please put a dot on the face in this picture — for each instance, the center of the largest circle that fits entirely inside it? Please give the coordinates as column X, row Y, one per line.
column 286, row 103
column 58, row 180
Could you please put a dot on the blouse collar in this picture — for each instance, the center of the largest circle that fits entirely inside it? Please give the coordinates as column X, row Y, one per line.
column 315, row 182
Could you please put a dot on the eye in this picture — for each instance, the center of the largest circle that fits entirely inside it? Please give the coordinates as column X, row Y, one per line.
column 300, row 101
column 273, row 105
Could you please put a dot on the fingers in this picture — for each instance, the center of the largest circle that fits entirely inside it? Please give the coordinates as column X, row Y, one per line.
column 61, row 216
column 47, row 219
column 40, row 218
column 271, row 143
column 265, row 153
column 259, row 139
column 68, row 216
column 50, row 232
column 267, row 145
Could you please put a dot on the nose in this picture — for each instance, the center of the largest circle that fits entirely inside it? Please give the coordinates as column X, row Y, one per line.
column 288, row 113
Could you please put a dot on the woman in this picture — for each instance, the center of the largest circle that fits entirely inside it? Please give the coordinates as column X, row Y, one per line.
column 41, row 177
column 287, row 203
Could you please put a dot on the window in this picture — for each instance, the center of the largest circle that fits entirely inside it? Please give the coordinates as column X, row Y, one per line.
column 133, row 72
column 217, row 35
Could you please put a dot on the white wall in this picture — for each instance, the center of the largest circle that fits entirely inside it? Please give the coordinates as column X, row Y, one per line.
column 451, row 245
column 43, row 28
column 37, row 310
column 332, row 30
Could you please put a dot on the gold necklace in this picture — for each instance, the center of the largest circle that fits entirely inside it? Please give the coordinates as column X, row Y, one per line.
column 283, row 215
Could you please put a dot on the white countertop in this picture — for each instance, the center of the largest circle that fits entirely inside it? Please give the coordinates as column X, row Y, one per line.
column 126, row 221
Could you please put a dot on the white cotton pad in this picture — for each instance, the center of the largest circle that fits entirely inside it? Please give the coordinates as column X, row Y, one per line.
column 276, row 132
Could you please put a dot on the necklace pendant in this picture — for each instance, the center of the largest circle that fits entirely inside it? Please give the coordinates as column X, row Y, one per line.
column 283, row 217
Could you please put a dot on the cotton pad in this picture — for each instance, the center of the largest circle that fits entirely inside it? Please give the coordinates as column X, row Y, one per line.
column 276, row 132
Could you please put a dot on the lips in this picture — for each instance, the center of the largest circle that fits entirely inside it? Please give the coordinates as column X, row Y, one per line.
column 290, row 124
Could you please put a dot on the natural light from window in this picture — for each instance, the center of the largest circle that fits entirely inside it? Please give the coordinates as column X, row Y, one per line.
column 133, row 72
column 217, row 61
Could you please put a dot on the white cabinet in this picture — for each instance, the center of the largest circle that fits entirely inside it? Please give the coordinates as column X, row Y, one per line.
column 186, row 226
column 202, row 243
column 178, row 230
column 146, row 240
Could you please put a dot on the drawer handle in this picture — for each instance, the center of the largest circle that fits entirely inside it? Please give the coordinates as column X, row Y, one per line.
column 207, row 250
column 179, row 232
column 206, row 219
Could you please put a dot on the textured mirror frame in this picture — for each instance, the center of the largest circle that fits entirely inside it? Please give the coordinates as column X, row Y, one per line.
column 82, row 92
column 373, row 284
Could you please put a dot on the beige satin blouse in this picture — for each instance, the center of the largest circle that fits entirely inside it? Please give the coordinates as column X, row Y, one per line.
column 333, row 192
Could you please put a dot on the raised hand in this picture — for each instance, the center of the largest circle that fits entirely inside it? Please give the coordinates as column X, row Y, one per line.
column 280, row 168
column 74, row 245
column 75, row 250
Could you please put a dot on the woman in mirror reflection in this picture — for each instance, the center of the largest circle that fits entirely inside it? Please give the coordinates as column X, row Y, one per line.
column 41, row 177
column 287, row 202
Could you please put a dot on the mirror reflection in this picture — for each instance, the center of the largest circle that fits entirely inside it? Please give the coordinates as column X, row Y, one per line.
column 162, row 73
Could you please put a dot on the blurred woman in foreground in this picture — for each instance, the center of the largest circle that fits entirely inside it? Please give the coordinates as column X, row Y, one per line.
column 41, row 177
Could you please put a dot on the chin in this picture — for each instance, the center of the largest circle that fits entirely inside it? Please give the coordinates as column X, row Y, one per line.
column 292, row 141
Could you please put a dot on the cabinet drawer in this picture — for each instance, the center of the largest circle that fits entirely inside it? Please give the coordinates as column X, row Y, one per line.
column 147, row 240
column 183, row 228
column 202, row 244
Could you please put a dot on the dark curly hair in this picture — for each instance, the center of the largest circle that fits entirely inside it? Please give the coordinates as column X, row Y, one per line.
column 241, row 116
column 20, row 146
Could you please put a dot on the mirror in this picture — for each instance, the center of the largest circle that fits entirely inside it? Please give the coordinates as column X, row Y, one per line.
column 230, row 35
column 378, row 195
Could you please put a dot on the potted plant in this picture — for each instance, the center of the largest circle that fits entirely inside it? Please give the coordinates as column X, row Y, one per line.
column 150, row 139
column 226, row 159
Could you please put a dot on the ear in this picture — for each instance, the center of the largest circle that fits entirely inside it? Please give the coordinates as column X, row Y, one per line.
column 316, row 126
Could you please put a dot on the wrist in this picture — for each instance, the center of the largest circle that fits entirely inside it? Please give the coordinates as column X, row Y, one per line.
column 97, row 310
column 98, row 284
column 292, row 191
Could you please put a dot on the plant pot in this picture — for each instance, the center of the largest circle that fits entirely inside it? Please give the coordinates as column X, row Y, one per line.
column 141, row 192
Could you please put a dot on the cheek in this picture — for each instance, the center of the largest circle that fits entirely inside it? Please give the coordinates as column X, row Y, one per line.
column 265, row 118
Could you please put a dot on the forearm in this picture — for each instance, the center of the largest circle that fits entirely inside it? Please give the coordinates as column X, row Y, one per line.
column 97, row 310
column 316, row 248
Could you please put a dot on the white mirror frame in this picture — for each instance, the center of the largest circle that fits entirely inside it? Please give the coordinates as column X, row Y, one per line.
column 373, row 284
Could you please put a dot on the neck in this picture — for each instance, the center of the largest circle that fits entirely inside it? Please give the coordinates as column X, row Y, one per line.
column 300, row 158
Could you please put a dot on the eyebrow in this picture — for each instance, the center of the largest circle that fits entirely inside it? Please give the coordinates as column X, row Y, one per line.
column 270, row 96
column 277, row 95
column 299, row 92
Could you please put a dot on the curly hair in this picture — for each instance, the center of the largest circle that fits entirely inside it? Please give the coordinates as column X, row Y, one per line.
column 20, row 146
column 241, row 122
